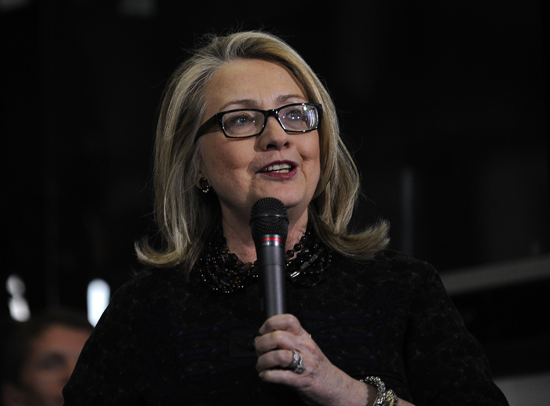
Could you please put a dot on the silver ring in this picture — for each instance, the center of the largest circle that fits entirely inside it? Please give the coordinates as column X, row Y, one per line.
column 297, row 363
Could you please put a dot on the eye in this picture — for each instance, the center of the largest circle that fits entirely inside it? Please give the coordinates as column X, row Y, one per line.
column 298, row 118
column 241, row 122
column 52, row 361
column 294, row 115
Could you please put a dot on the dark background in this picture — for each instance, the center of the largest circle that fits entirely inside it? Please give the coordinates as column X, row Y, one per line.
column 444, row 104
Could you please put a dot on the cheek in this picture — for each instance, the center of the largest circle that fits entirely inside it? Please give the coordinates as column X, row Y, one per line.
column 311, row 156
column 221, row 163
column 314, row 177
column 42, row 381
column 312, row 168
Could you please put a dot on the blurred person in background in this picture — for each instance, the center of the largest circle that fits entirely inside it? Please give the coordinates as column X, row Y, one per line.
column 39, row 356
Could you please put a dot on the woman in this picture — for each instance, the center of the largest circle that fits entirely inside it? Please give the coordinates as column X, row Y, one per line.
column 243, row 119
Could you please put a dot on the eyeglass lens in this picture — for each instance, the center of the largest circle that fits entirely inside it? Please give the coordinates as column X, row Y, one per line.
column 250, row 122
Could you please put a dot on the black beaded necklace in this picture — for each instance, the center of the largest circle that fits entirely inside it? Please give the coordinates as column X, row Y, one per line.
column 223, row 272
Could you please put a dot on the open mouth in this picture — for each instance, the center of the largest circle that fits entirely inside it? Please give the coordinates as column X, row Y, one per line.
column 278, row 168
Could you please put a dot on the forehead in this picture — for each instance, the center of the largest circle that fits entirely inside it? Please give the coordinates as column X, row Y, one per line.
column 59, row 338
column 252, row 83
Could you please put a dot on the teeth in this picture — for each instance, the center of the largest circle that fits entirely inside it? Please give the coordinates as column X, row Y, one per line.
column 279, row 168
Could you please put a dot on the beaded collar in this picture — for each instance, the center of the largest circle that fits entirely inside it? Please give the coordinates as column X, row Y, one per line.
column 223, row 272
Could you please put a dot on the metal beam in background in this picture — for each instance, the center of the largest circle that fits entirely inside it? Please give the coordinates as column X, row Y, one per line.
column 468, row 280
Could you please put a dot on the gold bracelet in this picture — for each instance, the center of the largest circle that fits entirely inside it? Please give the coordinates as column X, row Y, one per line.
column 383, row 397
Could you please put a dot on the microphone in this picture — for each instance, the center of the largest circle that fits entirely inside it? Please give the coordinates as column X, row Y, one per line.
column 269, row 226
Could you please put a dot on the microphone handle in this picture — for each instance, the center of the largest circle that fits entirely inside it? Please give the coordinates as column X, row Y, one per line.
column 272, row 266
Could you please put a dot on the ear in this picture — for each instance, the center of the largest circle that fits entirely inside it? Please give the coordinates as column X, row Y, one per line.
column 13, row 395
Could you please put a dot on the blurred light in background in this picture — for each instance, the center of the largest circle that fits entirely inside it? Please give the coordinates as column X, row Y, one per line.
column 99, row 294
column 138, row 8
column 19, row 308
column 12, row 4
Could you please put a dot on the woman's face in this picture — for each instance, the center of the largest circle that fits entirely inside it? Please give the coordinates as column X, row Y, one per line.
column 241, row 171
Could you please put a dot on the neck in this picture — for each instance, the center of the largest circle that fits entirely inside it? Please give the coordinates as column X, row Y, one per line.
column 239, row 238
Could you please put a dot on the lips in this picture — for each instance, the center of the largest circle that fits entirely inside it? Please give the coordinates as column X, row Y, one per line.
column 278, row 168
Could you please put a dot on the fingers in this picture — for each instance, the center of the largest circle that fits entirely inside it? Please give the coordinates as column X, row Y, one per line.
column 281, row 367
column 274, row 359
column 280, row 335
column 284, row 322
column 281, row 332
column 280, row 340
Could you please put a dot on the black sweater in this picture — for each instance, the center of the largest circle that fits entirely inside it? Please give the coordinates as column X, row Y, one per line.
column 166, row 341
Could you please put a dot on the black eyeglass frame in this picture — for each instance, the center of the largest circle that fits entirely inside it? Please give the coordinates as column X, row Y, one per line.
column 217, row 119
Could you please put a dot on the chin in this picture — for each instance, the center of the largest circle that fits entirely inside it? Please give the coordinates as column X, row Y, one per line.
column 290, row 198
column 293, row 203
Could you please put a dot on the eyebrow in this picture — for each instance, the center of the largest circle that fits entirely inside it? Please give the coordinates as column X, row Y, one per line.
column 253, row 104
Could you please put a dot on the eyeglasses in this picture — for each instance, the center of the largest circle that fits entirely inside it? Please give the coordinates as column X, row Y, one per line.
column 245, row 123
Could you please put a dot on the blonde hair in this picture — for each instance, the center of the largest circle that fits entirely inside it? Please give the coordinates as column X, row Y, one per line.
column 186, row 217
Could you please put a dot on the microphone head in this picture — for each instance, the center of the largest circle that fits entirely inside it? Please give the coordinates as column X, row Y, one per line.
column 268, row 216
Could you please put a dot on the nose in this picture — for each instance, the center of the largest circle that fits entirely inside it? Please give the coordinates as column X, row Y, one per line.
column 273, row 136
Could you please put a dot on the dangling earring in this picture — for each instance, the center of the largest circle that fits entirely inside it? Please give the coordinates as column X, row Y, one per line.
column 205, row 187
